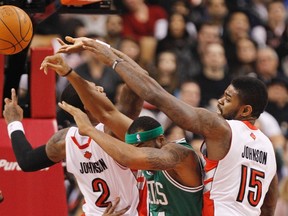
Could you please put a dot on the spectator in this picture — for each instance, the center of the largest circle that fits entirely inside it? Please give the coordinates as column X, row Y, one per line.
column 166, row 74
column 179, row 41
column 216, row 11
column 166, row 71
column 182, row 7
column 267, row 64
column 207, row 33
column 146, row 23
column 131, row 48
column 214, row 75
column 114, row 28
column 278, row 102
column 276, row 27
column 246, row 51
column 237, row 26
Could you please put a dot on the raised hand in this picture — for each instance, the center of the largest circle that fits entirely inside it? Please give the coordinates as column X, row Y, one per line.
column 80, row 118
column 102, row 51
column 12, row 111
column 74, row 46
column 56, row 63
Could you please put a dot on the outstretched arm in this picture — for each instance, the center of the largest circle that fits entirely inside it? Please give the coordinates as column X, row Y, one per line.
column 129, row 104
column 197, row 120
column 30, row 159
column 96, row 102
column 128, row 155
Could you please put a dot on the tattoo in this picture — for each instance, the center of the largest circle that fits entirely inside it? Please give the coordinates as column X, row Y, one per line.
column 170, row 157
column 56, row 146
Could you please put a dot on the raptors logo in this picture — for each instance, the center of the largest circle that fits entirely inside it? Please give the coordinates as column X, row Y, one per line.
column 87, row 154
column 138, row 138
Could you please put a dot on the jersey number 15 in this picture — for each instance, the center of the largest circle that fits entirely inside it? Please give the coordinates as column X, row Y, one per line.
column 253, row 196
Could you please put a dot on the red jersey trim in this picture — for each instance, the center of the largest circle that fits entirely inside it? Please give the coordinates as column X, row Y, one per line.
column 81, row 146
column 252, row 127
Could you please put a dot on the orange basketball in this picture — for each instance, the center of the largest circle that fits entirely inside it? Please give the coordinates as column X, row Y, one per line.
column 16, row 30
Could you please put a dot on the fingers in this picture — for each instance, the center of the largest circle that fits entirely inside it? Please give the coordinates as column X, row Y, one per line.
column 70, row 39
column 7, row 101
column 122, row 211
column 108, row 209
column 60, row 41
column 54, row 62
column 113, row 207
column 100, row 89
column 64, row 106
column 89, row 48
column 14, row 96
column 68, row 108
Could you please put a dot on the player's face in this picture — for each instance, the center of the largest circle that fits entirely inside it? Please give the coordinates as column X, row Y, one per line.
column 229, row 104
column 98, row 89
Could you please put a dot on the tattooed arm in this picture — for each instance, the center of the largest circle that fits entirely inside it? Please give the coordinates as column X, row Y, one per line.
column 127, row 155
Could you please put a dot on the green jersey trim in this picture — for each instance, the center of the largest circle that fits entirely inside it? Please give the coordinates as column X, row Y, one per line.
column 182, row 187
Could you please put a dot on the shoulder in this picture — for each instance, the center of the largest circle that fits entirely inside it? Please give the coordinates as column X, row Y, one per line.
column 59, row 136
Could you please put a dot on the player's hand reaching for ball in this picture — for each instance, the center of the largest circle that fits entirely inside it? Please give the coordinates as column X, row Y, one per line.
column 12, row 111
column 75, row 44
column 56, row 63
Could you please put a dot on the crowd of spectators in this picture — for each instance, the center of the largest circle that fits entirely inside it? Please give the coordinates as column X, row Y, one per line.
column 196, row 47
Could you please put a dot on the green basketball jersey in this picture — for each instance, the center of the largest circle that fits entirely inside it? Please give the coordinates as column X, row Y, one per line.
column 168, row 197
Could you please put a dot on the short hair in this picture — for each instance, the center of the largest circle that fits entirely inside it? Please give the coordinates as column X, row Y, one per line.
column 70, row 96
column 252, row 91
column 143, row 123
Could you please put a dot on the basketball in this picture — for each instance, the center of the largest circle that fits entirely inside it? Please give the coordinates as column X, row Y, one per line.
column 16, row 30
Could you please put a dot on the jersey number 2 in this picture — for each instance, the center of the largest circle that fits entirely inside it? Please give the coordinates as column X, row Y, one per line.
column 254, row 182
column 99, row 185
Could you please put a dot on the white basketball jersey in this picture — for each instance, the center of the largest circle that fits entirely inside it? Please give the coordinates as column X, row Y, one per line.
column 237, row 184
column 100, row 178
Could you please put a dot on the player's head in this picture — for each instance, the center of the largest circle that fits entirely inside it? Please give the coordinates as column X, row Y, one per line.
column 145, row 132
column 70, row 96
column 244, row 99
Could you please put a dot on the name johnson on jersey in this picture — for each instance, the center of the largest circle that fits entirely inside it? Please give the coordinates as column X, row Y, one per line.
column 93, row 167
column 255, row 155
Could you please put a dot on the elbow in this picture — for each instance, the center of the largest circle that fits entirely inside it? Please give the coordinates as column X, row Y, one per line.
column 130, row 160
column 25, row 168
column 126, row 161
column 105, row 117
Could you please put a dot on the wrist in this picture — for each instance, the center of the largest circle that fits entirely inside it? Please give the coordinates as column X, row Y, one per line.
column 14, row 126
column 67, row 73
column 116, row 62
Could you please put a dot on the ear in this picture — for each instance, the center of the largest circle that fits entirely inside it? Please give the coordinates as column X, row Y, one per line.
column 246, row 110
column 160, row 139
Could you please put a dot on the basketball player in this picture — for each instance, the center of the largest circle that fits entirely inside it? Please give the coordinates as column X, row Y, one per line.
column 100, row 178
column 240, row 161
column 177, row 190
